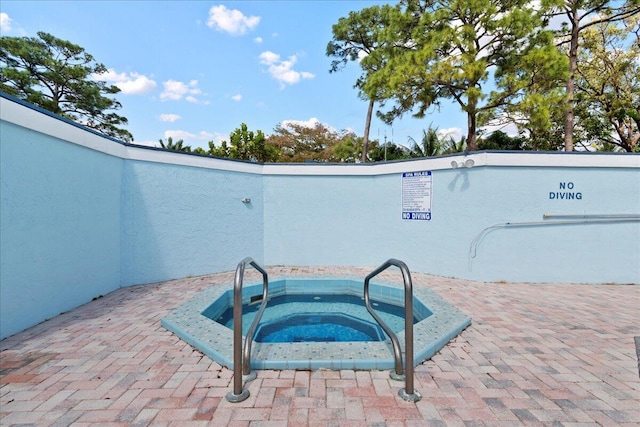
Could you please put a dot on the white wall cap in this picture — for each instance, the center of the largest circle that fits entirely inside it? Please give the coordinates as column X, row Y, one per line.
column 177, row 158
column 57, row 127
column 498, row 159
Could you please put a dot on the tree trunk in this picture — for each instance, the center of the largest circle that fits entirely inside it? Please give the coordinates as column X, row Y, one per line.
column 367, row 126
column 569, row 117
column 472, row 143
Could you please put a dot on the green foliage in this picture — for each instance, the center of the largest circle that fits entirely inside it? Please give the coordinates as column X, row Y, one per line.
column 430, row 144
column 608, row 86
column 300, row 143
column 580, row 15
column 221, row 151
column 178, row 145
column 535, row 98
column 444, row 50
column 357, row 38
column 451, row 146
column 348, row 149
column 245, row 145
column 388, row 152
column 499, row 140
column 61, row 77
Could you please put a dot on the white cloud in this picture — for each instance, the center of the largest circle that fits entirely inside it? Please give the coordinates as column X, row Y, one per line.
column 177, row 135
column 230, row 21
column 268, row 57
column 175, row 90
column 282, row 70
column 185, row 135
column 218, row 138
column 205, row 135
column 454, row 132
column 349, row 130
column 169, row 117
column 509, row 128
column 237, row 97
column 258, row 40
column 5, row 22
column 130, row 84
column 194, row 140
column 311, row 123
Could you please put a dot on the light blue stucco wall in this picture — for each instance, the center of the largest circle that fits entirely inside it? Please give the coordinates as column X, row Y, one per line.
column 346, row 220
column 548, row 250
column 82, row 215
column 323, row 220
column 59, row 226
column 180, row 221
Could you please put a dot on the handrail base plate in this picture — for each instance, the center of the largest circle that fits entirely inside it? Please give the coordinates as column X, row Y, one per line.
column 250, row 376
column 235, row 398
column 396, row 376
column 414, row 397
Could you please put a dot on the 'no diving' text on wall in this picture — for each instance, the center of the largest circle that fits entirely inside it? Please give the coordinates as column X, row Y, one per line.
column 566, row 192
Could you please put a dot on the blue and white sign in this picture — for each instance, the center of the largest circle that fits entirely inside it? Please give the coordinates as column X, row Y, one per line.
column 416, row 195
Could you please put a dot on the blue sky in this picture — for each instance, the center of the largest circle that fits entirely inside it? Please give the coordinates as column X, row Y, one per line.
column 196, row 70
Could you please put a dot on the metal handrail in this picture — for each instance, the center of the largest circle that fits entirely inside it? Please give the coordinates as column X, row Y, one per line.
column 242, row 355
column 408, row 393
column 586, row 219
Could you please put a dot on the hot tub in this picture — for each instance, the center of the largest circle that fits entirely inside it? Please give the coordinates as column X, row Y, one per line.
column 204, row 322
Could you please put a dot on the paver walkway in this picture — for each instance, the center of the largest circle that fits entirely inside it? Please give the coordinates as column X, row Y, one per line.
column 534, row 355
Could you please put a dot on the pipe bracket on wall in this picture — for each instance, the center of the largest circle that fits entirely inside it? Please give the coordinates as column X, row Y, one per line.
column 559, row 220
column 246, row 200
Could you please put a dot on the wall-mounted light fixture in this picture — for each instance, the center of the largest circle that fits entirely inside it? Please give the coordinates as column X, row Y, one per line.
column 246, row 200
column 467, row 164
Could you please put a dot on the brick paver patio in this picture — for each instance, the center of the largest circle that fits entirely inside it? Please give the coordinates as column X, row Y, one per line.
column 534, row 355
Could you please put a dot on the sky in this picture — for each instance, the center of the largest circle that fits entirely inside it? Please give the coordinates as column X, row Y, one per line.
column 197, row 70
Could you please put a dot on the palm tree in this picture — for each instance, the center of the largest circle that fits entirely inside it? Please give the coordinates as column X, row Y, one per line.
column 176, row 146
column 430, row 145
column 450, row 146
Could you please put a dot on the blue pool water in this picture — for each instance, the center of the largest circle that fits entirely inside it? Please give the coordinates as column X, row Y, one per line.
column 319, row 327
column 317, row 318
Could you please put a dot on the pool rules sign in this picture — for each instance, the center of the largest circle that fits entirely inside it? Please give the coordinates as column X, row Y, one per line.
column 416, row 195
